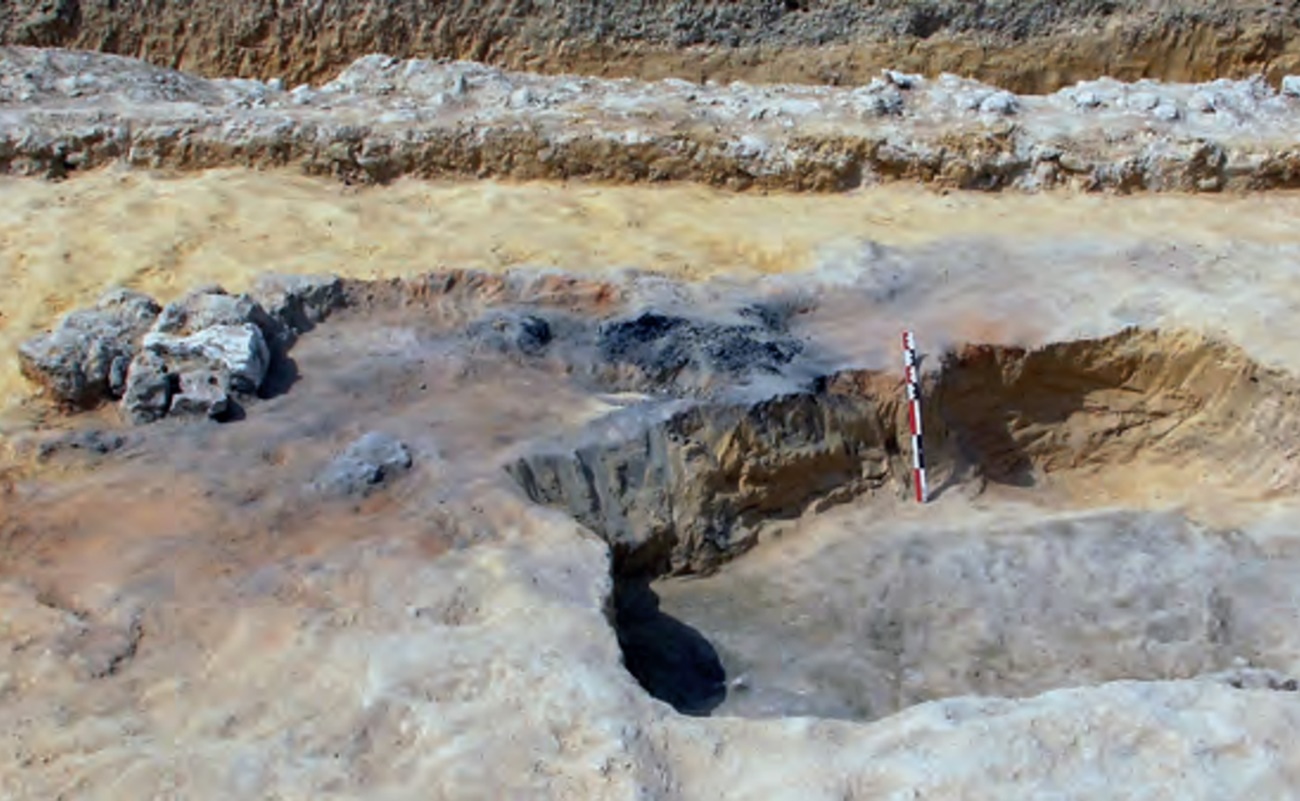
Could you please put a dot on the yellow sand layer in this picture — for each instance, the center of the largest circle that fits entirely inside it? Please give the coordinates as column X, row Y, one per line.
column 62, row 244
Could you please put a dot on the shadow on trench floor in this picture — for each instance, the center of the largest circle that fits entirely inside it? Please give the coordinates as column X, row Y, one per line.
column 671, row 660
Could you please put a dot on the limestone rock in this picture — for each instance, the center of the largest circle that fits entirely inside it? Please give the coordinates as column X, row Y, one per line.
column 128, row 308
column 1000, row 103
column 881, row 98
column 1088, row 99
column 902, row 80
column 117, row 371
column 202, row 392
column 189, row 355
column 214, row 343
column 1142, row 101
column 148, row 389
column 71, row 365
column 369, row 461
column 1244, row 677
column 1167, row 111
column 208, row 307
column 239, row 350
column 299, row 302
column 1204, row 102
column 211, row 342
column 81, row 362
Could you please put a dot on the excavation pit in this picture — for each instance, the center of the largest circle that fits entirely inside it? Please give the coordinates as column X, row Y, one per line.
column 877, row 617
column 768, row 562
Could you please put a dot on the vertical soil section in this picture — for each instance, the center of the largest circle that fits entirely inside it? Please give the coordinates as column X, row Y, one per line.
column 1034, row 46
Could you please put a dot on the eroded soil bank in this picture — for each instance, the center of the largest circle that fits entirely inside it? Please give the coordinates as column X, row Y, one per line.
column 1029, row 47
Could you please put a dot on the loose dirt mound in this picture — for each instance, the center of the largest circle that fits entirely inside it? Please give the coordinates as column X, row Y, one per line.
column 1032, row 46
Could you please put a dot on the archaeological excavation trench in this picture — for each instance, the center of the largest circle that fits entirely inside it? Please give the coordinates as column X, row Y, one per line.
column 767, row 558
column 719, row 608
column 522, row 382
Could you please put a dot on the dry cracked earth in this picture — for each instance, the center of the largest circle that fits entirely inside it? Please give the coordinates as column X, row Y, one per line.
column 535, row 427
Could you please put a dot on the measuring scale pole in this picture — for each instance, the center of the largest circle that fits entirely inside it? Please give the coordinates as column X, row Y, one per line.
column 914, row 414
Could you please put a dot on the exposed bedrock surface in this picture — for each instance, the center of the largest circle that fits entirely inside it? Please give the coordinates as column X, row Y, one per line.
column 1029, row 46
column 691, row 491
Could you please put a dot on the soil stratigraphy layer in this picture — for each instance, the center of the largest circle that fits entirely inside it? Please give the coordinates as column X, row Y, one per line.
column 1033, row 46
column 64, row 111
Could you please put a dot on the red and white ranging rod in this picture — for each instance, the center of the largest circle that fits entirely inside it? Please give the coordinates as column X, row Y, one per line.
column 914, row 414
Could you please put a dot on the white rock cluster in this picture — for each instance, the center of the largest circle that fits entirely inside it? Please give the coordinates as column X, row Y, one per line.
column 194, row 356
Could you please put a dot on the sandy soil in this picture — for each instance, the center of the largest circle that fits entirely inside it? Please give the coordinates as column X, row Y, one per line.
column 62, row 243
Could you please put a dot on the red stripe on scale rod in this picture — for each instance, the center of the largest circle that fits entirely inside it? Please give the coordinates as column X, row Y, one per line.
column 914, row 414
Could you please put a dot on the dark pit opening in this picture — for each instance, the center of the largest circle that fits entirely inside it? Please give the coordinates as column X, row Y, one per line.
column 670, row 659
